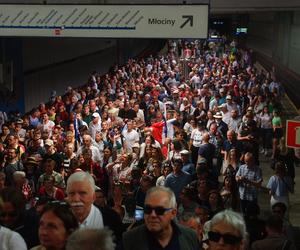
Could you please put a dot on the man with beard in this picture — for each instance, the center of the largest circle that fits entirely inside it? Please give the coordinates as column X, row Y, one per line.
column 12, row 164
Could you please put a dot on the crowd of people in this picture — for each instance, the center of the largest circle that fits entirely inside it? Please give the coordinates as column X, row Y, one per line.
column 152, row 148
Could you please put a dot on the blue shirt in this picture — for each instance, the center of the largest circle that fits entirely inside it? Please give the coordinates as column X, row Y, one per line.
column 249, row 192
column 280, row 186
column 177, row 182
column 189, row 168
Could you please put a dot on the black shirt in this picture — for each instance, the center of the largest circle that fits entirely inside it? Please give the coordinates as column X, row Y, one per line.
column 172, row 245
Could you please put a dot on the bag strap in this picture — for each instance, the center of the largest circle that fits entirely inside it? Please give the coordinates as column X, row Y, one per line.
column 286, row 244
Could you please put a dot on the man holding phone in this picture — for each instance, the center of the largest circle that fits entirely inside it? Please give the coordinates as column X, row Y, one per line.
column 160, row 231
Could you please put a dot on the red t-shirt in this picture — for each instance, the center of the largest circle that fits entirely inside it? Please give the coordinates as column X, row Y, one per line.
column 58, row 194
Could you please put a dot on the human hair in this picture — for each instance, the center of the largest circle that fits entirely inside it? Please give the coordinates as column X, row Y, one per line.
column 87, row 151
column 49, row 178
column 74, row 163
column 252, row 210
column 64, row 213
column 189, row 192
column 249, row 155
column 280, row 167
column 87, row 136
column 4, row 125
column 17, row 200
column 50, row 162
column 280, row 205
column 186, row 216
column 275, row 223
column 81, row 176
column 2, row 176
column 168, row 191
column 177, row 145
column 88, row 238
column 177, row 161
column 232, row 132
column 15, row 197
column 99, row 190
column 231, row 218
column 13, row 149
column 70, row 145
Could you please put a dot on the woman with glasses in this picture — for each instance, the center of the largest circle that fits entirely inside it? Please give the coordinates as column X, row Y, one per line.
column 57, row 222
column 227, row 231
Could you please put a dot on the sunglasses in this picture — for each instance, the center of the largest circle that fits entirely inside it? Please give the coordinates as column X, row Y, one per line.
column 8, row 214
column 158, row 210
column 227, row 238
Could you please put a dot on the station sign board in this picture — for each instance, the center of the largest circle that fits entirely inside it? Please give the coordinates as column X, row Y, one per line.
column 107, row 21
column 293, row 134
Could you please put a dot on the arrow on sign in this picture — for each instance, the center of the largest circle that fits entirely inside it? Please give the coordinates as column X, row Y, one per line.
column 189, row 19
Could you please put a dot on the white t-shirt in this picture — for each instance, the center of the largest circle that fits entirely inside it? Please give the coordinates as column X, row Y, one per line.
column 196, row 136
column 48, row 126
column 130, row 138
column 10, row 240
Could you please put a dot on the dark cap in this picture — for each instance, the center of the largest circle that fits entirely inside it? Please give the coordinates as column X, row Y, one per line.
column 176, row 123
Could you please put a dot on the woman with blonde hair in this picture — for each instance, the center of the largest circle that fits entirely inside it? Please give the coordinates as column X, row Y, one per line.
column 231, row 162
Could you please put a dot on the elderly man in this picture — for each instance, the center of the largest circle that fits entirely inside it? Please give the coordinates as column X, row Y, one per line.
column 81, row 195
column 95, row 124
column 249, row 177
column 159, row 230
column 87, row 143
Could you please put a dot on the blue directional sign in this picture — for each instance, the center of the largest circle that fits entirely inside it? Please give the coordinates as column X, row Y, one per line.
column 113, row 21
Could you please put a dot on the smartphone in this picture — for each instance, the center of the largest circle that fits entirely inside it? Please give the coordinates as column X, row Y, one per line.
column 139, row 214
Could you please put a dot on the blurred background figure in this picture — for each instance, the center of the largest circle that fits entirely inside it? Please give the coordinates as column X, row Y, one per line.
column 96, row 239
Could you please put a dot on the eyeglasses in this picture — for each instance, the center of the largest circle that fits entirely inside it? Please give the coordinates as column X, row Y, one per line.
column 8, row 214
column 59, row 204
column 158, row 210
column 227, row 238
